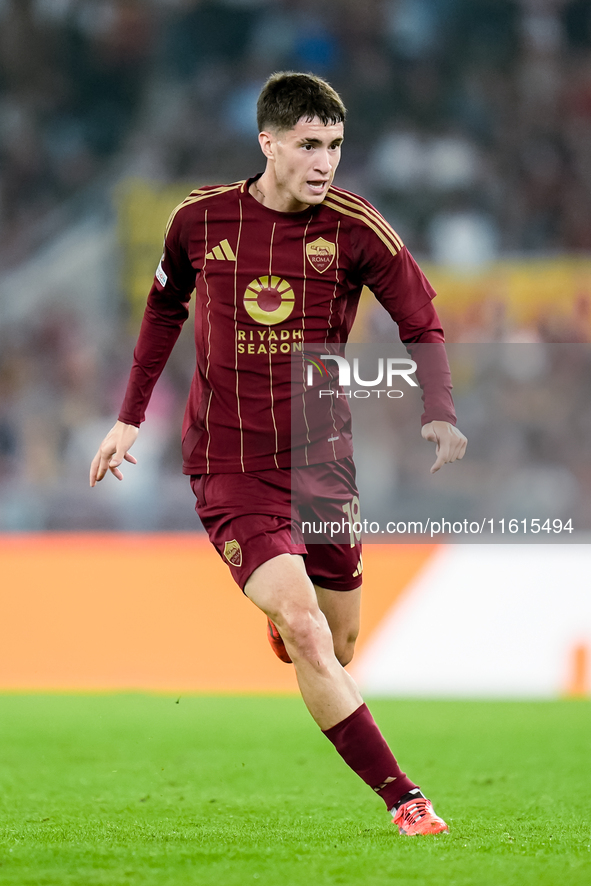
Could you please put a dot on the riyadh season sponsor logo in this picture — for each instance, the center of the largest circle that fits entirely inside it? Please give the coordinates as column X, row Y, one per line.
column 388, row 372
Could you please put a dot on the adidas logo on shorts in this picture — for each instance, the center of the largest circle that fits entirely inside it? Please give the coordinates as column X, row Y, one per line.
column 359, row 569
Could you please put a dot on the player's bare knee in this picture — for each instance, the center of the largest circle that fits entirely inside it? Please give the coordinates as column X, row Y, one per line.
column 306, row 635
column 305, row 629
column 344, row 648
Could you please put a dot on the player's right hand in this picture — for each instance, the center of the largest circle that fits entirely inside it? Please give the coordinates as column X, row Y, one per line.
column 113, row 451
column 451, row 443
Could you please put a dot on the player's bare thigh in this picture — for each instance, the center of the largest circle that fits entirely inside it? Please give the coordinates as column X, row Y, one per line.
column 342, row 611
column 282, row 589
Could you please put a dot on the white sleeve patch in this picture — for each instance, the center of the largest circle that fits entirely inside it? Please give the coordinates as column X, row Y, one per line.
column 161, row 276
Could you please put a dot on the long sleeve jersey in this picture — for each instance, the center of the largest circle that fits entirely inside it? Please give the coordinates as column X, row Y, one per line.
column 266, row 284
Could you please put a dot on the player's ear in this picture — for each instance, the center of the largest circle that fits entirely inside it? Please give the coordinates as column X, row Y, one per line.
column 267, row 142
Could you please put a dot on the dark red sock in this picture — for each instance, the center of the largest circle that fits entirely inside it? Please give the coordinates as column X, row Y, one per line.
column 363, row 747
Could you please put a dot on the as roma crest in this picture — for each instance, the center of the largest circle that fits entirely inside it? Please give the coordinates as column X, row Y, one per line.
column 321, row 254
column 233, row 552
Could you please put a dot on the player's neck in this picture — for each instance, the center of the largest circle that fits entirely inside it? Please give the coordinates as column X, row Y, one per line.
column 267, row 192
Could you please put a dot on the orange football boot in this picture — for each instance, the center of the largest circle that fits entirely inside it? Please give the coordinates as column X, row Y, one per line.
column 277, row 644
column 417, row 816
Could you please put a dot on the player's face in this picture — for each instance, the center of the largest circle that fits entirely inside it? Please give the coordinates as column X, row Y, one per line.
column 302, row 162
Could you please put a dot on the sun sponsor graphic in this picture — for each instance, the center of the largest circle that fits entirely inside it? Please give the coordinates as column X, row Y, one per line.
column 269, row 300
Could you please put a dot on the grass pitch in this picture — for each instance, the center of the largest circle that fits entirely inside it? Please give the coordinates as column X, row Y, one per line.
column 133, row 789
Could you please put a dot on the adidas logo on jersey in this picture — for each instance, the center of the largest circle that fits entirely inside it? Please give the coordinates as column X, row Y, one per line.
column 222, row 252
column 359, row 569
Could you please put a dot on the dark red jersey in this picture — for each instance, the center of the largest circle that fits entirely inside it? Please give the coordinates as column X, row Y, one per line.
column 266, row 283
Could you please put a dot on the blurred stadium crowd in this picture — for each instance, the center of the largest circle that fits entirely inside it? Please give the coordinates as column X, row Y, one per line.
column 456, row 107
column 469, row 128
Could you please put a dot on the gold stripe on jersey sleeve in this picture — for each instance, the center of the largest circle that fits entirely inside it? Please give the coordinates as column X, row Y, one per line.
column 385, row 240
column 196, row 197
column 210, row 189
column 356, row 202
column 371, row 217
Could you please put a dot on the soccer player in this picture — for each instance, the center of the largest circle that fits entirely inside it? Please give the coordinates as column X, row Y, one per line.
column 277, row 262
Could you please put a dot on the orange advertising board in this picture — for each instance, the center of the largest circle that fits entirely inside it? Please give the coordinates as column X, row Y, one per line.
column 151, row 612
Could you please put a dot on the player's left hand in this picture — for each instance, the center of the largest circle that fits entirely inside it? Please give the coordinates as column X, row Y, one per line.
column 451, row 443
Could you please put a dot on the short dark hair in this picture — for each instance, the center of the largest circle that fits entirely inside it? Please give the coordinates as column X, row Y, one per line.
column 288, row 96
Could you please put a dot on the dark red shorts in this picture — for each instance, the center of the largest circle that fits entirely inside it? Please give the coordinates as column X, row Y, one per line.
column 252, row 517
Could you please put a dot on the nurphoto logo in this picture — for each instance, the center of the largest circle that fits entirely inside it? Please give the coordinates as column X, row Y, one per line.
column 389, row 371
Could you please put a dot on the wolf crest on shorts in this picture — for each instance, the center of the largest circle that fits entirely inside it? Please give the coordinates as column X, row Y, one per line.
column 233, row 552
